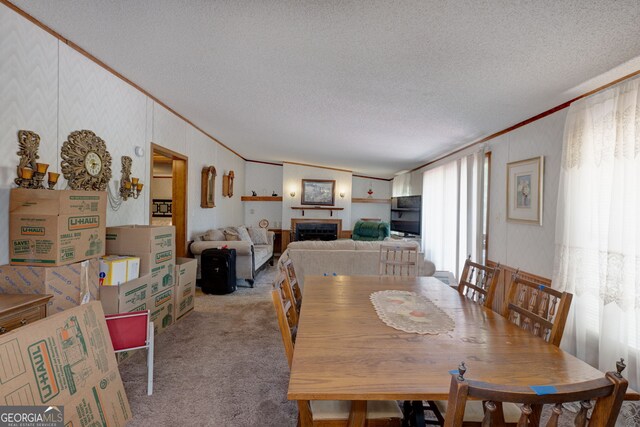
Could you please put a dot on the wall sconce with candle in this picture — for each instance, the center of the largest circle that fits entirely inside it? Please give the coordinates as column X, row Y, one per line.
column 129, row 187
column 30, row 172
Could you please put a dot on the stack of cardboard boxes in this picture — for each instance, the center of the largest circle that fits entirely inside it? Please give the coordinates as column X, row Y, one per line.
column 58, row 240
column 54, row 240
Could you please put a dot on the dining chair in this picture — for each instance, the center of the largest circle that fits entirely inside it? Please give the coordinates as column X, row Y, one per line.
column 398, row 259
column 608, row 393
column 293, row 287
column 478, row 282
column 537, row 308
column 325, row 413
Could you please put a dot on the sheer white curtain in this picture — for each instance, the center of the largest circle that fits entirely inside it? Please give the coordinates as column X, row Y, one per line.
column 598, row 231
column 452, row 212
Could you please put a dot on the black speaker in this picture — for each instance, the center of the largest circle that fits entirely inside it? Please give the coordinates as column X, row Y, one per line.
column 218, row 271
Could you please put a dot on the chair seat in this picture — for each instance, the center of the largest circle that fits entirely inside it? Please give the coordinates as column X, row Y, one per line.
column 339, row 409
column 474, row 413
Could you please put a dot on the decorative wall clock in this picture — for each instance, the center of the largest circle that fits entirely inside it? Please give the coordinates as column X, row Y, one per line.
column 86, row 163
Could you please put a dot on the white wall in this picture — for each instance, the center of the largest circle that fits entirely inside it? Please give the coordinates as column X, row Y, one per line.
column 49, row 88
column 381, row 190
column 292, row 176
column 264, row 179
column 524, row 246
column 529, row 247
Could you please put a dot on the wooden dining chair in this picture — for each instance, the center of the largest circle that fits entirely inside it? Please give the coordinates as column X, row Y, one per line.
column 537, row 308
column 608, row 393
column 398, row 259
column 478, row 282
column 325, row 413
column 292, row 286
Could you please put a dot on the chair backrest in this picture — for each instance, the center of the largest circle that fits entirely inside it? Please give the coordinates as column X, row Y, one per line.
column 287, row 316
column 398, row 259
column 478, row 282
column 292, row 286
column 129, row 331
column 288, row 324
column 608, row 392
column 537, row 308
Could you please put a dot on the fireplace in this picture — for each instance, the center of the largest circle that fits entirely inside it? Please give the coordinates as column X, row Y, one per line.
column 315, row 229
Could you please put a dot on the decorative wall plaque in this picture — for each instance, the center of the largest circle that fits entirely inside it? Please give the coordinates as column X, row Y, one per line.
column 86, row 163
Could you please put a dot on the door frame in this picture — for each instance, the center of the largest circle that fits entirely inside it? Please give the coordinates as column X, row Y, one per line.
column 179, row 194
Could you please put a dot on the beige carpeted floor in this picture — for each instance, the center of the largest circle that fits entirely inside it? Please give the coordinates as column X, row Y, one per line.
column 222, row 365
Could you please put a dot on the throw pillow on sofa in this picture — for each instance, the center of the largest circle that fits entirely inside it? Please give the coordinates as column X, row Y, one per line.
column 243, row 234
column 258, row 235
column 231, row 234
column 214, row 235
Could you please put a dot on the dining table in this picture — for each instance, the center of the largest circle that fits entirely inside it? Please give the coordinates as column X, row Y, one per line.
column 345, row 351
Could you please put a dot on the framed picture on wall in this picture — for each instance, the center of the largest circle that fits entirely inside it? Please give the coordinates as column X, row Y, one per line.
column 318, row 192
column 525, row 190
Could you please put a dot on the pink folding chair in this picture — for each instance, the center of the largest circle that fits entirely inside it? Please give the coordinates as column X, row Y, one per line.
column 133, row 331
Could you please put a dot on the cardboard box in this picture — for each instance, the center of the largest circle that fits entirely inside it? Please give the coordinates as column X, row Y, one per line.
column 56, row 227
column 140, row 239
column 127, row 297
column 70, row 285
column 133, row 295
column 185, row 290
column 65, row 360
column 154, row 262
column 117, row 269
column 162, row 308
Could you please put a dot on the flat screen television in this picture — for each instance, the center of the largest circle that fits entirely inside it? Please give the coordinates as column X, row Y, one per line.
column 406, row 215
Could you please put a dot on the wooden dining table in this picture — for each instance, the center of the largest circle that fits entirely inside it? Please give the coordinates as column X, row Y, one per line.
column 344, row 351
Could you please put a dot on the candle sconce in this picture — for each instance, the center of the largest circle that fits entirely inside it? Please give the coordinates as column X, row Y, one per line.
column 31, row 173
column 129, row 187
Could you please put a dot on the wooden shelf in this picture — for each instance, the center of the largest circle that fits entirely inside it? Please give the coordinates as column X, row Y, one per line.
column 316, row 208
column 261, row 198
column 367, row 200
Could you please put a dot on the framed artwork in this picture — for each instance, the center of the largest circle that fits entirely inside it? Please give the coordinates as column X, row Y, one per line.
column 525, row 190
column 318, row 192
column 207, row 187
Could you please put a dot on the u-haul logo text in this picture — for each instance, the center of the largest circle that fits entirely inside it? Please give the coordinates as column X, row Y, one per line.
column 32, row 231
column 84, row 222
column 163, row 256
column 43, row 370
column 163, row 297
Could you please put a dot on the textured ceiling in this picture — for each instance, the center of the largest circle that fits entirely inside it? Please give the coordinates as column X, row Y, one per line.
column 371, row 86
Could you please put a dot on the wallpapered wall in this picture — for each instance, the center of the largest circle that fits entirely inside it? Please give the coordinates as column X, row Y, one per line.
column 49, row 88
column 529, row 247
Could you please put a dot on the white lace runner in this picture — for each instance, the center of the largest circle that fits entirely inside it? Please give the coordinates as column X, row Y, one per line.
column 409, row 312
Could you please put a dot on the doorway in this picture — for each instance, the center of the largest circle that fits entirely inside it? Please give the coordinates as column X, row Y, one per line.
column 168, row 202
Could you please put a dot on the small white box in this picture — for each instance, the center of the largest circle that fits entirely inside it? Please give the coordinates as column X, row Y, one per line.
column 117, row 269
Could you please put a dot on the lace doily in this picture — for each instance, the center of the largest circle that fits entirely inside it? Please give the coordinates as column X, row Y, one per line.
column 409, row 312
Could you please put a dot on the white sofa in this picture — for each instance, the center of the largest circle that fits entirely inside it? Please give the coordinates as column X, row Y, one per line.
column 341, row 257
column 250, row 257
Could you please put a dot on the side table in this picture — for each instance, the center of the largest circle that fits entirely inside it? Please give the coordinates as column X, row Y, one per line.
column 20, row 309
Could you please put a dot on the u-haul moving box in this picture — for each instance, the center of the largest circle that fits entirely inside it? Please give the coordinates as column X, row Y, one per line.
column 154, row 245
column 65, row 360
column 185, row 291
column 70, row 285
column 56, row 227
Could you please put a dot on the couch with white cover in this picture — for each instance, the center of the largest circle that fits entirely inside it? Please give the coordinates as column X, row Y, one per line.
column 253, row 245
column 341, row 257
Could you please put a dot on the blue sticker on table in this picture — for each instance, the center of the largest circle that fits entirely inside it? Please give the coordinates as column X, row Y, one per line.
column 454, row 372
column 541, row 390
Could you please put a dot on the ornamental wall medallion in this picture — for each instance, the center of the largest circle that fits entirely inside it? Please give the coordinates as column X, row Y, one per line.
column 86, row 163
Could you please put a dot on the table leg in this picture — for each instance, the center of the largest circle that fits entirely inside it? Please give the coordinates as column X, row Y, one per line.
column 358, row 413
